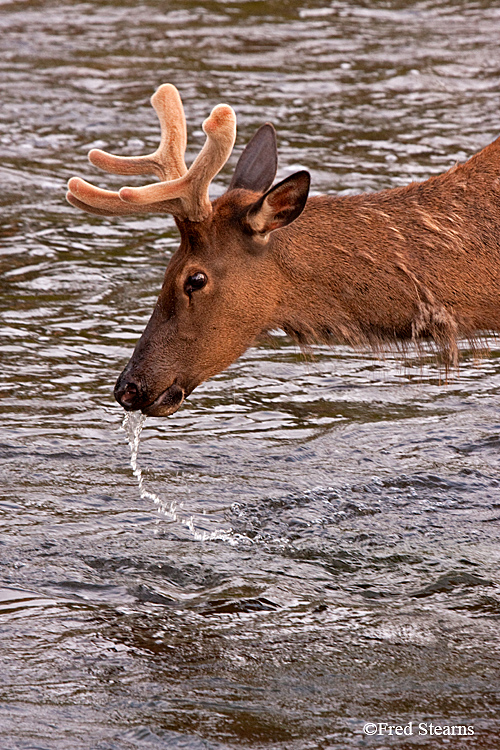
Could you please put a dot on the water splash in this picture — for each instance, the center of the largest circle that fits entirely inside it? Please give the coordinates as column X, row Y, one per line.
column 133, row 422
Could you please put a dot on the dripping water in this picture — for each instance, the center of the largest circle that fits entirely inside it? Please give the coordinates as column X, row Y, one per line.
column 133, row 424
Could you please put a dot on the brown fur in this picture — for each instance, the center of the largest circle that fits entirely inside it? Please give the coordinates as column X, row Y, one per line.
column 402, row 265
column 422, row 261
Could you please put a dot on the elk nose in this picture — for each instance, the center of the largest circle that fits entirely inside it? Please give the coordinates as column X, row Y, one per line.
column 128, row 395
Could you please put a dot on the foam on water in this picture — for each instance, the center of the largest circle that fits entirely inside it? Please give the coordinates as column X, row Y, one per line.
column 133, row 423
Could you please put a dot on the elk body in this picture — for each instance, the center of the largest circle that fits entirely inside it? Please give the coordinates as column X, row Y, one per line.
column 402, row 265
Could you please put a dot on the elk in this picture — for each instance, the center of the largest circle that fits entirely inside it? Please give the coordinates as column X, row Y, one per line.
column 402, row 265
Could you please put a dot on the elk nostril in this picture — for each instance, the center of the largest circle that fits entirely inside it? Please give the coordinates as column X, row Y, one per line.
column 127, row 394
column 130, row 393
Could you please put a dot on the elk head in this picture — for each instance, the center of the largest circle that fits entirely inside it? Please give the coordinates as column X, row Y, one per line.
column 222, row 286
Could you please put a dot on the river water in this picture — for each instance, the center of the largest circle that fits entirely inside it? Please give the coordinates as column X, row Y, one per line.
column 316, row 543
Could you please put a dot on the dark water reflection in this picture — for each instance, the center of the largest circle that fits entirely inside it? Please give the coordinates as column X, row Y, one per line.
column 361, row 495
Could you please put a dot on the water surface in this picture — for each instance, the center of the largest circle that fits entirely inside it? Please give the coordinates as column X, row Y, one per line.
column 357, row 497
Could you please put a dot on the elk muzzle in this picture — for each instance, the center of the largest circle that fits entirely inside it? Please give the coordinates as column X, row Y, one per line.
column 131, row 394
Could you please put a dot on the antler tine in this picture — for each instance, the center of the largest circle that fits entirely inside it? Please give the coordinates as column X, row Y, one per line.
column 192, row 188
column 94, row 200
column 167, row 162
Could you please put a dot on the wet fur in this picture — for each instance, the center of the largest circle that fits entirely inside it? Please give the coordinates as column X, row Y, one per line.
column 403, row 265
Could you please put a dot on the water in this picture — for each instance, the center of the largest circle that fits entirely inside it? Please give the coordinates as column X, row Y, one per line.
column 314, row 542
column 133, row 423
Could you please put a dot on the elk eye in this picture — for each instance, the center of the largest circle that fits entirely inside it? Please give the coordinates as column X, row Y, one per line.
column 194, row 282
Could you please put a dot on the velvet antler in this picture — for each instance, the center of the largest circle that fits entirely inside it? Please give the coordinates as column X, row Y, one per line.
column 181, row 192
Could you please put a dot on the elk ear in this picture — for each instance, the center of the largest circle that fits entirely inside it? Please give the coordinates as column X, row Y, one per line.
column 257, row 165
column 281, row 205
